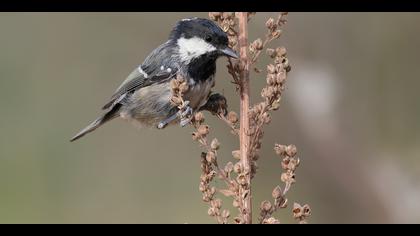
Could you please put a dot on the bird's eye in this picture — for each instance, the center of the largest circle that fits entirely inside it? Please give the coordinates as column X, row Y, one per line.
column 208, row 39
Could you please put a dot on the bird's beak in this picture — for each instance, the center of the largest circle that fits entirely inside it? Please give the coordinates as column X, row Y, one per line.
column 229, row 52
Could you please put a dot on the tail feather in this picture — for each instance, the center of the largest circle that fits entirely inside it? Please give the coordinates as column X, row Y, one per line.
column 98, row 122
column 95, row 124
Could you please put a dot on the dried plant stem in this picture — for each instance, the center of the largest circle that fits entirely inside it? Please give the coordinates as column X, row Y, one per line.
column 244, row 115
column 252, row 119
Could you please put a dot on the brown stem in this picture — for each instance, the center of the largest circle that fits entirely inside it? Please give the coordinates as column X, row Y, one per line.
column 244, row 115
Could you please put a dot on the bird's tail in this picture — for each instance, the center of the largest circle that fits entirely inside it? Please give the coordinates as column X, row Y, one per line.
column 95, row 124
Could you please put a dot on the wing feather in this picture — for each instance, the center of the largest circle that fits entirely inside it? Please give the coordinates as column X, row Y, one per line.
column 137, row 80
column 158, row 67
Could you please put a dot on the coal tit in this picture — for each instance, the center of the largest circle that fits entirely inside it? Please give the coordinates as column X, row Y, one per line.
column 192, row 50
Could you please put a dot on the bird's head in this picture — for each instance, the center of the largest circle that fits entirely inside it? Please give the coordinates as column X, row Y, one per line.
column 197, row 37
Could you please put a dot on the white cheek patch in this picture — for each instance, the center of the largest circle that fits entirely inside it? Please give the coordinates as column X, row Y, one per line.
column 193, row 47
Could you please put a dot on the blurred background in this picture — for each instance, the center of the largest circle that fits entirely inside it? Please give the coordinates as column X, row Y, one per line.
column 351, row 107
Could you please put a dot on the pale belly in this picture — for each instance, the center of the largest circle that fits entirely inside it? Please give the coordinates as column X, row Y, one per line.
column 151, row 105
column 198, row 93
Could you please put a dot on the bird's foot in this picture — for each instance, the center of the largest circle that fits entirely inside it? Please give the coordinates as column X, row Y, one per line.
column 185, row 115
column 165, row 122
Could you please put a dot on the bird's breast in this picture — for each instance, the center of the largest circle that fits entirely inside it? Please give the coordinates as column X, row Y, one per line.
column 198, row 92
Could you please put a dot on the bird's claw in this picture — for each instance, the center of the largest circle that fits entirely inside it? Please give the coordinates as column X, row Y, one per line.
column 185, row 115
column 165, row 122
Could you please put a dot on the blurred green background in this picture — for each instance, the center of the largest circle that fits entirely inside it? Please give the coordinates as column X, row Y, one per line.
column 351, row 107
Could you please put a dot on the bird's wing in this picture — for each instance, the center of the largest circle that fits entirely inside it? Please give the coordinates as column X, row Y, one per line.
column 139, row 79
column 158, row 67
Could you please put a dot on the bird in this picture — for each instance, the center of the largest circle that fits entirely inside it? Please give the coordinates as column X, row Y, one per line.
column 191, row 50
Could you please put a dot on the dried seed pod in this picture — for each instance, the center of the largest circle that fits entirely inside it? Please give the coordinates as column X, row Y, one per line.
column 291, row 150
column 205, row 198
column 283, row 203
column 271, row 69
column 271, row 221
column 180, row 78
column 176, row 101
column 235, row 203
column 236, row 154
column 232, row 117
column 280, row 77
column 232, row 23
column 238, row 167
column 279, row 65
column 251, row 14
column 281, row 51
column 255, row 156
column 258, row 43
column 285, row 163
column 271, row 52
column 288, row 68
column 225, row 213
column 252, row 49
column 211, row 157
column 285, row 63
column 270, row 24
column 276, row 34
column 229, row 167
column 265, row 117
column 297, row 210
column 280, row 149
column 183, row 88
column 174, row 83
column 288, row 177
column 306, row 210
column 225, row 26
column 254, row 167
column 196, row 136
column 211, row 211
column 215, row 144
column 266, row 206
column 199, row 117
column 212, row 191
column 264, row 92
column 228, row 15
column 293, row 163
column 276, row 104
column 241, row 178
column 277, row 192
column 212, row 174
column 217, row 203
column 203, row 130
column 233, row 41
column 238, row 220
column 214, row 15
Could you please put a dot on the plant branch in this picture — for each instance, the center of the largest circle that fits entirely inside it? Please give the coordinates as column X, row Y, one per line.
column 251, row 121
column 245, row 189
